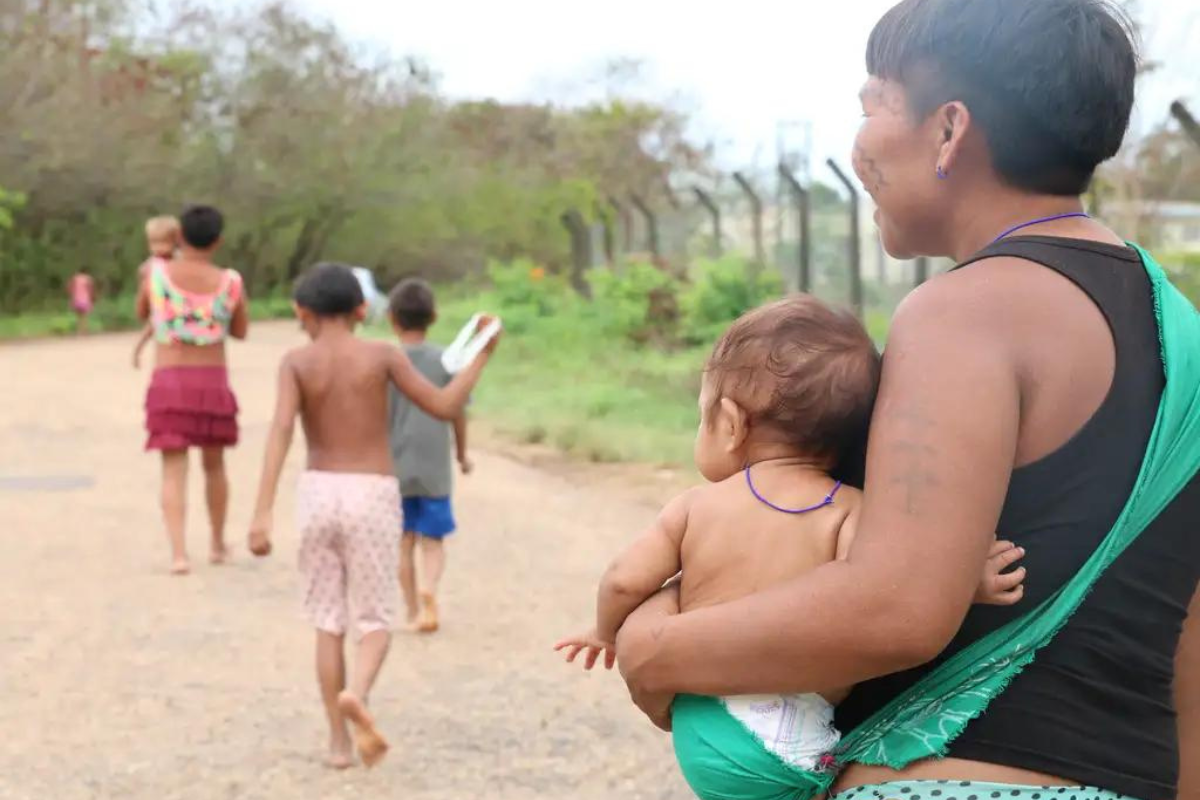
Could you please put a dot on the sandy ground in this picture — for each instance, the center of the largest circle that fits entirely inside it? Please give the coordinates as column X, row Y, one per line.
column 117, row 681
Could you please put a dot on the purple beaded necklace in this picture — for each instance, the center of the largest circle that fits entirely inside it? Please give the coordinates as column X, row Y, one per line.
column 828, row 501
column 1033, row 222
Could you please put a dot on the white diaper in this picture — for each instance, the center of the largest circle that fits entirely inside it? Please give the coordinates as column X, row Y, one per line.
column 796, row 727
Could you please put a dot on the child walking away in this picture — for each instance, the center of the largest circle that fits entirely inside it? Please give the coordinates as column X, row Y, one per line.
column 421, row 457
column 193, row 306
column 348, row 507
column 82, row 291
column 786, row 392
column 162, row 240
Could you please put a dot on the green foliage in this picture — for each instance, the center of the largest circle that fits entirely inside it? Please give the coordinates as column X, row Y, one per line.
column 638, row 302
column 724, row 290
column 313, row 147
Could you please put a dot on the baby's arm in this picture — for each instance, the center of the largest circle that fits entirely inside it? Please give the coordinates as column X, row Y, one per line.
column 143, row 340
column 996, row 587
column 279, row 441
column 446, row 403
column 635, row 575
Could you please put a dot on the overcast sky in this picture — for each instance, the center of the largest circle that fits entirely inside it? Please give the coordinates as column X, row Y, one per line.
column 741, row 69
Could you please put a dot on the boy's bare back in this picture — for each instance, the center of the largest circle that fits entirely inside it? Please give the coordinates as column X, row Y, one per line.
column 734, row 545
column 342, row 381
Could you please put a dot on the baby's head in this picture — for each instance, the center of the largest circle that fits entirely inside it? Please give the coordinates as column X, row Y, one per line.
column 328, row 292
column 411, row 306
column 162, row 236
column 794, row 378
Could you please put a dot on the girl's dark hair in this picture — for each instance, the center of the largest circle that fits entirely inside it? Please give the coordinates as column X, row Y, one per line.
column 328, row 290
column 201, row 226
column 411, row 305
column 1050, row 82
column 805, row 373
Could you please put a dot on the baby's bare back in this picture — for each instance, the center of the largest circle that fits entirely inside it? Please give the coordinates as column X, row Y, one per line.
column 735, row 545
column 343, row 404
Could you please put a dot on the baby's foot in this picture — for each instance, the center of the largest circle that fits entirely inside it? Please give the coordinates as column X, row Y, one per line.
column 427, row 620
column 181, row 566
column 372, row 747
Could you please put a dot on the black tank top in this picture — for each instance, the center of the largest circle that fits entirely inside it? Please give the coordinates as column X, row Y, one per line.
column 1096, row 705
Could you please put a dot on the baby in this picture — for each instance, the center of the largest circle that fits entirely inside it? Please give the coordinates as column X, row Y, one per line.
column 787, row 394
column 162, row 240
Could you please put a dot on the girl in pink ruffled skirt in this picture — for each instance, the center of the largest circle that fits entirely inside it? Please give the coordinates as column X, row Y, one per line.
column 193, row 306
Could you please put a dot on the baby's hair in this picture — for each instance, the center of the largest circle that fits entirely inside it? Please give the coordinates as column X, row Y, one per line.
column 161, row 230
column 411, row 305
column 805, row 374
column 329, row 290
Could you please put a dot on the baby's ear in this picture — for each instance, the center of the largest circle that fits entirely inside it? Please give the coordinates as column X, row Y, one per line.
column 734, row 424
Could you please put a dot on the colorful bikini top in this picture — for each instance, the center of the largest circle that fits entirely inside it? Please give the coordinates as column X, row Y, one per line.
column 194, row 318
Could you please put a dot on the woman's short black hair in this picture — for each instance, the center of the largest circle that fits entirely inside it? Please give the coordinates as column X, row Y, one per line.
column 201, row 226
column 329, row 290
column 1051, row 82
column 411, row 305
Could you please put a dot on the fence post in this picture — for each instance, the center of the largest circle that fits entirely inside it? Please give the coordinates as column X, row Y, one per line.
column 804, row 215
column 855, row 249
column 920, row 270
column 606, row 216
column 756, row 211
column 1190, row 126
column 651, row 223
column 626, row 223
column 714, row 211
column 581, row 250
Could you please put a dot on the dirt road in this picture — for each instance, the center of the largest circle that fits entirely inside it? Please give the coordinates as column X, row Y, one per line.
column 117, row 681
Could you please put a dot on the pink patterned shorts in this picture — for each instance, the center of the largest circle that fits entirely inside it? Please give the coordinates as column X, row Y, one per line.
column 349, row 549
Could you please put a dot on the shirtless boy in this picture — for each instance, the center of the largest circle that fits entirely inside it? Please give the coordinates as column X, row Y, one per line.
column 348, row 499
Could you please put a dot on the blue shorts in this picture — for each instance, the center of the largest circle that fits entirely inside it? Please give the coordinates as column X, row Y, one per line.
column 428, row 516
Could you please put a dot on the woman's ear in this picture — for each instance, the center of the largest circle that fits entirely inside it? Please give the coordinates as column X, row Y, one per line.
column 734, row 424
column 951, row 123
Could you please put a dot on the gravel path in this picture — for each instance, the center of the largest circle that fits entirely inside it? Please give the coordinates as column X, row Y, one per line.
column 117, row 681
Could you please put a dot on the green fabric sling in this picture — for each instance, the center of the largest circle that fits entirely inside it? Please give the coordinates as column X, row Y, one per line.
column 925, row 719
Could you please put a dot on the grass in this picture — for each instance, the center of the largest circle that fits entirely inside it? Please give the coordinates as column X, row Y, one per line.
column 112, row 314
column 598, row 398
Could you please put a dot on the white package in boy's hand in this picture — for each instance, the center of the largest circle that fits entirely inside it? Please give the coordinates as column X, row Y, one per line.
column 469, row 343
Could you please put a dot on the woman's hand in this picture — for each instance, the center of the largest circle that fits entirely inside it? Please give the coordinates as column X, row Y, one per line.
column 635, row 644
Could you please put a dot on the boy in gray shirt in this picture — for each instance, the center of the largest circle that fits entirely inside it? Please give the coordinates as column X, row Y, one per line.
column 421, row 457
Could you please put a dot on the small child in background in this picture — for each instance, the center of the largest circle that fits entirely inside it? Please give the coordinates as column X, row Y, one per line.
column 421, row 455
column 348, row 500
column 787, row 392
column 81, row 290
column 162, row 239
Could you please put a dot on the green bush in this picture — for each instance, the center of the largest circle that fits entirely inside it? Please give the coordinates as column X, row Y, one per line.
column 725, row 289
column 638, row 302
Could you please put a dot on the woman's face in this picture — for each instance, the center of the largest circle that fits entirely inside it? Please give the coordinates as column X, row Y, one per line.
column 896, row 158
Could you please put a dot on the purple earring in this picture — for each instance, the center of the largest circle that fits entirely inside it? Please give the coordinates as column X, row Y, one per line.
column 941, row 173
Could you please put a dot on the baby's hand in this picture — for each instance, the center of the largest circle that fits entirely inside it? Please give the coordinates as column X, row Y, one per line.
column 1000, row 588
column 589, row 641
column 260, row 535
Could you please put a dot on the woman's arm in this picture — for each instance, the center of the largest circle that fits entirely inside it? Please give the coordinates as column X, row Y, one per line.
column 1187, row 703
column 941, row 452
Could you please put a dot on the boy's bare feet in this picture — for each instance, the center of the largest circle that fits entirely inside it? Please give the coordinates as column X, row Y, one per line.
column 427, row 620
column 181, row 566
column 341, row 752
column 372, row 747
